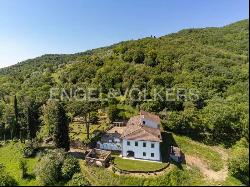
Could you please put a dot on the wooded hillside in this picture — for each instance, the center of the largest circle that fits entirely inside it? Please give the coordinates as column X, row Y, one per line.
column 211, row 61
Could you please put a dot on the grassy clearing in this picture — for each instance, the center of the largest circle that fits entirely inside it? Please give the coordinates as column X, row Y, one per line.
column 78, row 130
column 137, row 165
column 10, row 156
column 206, row 153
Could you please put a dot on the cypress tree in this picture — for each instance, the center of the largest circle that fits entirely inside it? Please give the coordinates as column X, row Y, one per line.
column 16, row 113
column 56, row 124
column 33, row 121
column 61, row 134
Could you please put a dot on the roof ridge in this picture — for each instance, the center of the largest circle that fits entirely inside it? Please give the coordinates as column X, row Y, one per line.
column 154, row 138
column 150, row 116
column 150, row 132
column 133, row 131
column 144, row 130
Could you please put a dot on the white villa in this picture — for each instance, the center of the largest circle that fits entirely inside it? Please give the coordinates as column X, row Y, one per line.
column 139, row 139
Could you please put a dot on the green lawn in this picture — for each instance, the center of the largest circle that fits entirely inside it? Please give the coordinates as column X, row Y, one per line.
column 137, row 165
column 10, row 155
column 173, row 177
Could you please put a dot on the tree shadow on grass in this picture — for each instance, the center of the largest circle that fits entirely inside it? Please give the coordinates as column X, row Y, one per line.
column 168, row 141
column 30, row 176
column 77, row 154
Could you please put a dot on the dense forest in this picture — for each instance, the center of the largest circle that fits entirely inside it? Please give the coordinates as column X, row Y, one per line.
column 211, row 61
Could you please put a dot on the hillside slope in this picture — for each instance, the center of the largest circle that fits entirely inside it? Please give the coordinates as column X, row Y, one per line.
column 211, row 61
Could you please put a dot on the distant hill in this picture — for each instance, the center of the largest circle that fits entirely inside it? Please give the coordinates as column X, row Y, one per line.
column 233, row 38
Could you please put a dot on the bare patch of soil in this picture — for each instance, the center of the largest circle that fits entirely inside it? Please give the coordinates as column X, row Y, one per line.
column 206, row 171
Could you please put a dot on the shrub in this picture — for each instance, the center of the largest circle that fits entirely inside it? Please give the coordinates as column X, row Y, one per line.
column 78, row 180
column 94, row 117
column 139, row 57
column 86, row 142
column 5, row 178
column 28, row 152
column 56, row 166
column 70, row 167
column 114, row 169
column 113, row 113
column 48, row 170
column 15, row 140
column 30, row 148
column 239, row 163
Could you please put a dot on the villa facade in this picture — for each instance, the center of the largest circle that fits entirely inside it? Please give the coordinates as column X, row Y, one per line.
column 139, row 139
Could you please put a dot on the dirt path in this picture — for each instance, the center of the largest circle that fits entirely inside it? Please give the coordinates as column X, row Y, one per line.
column 206, row 171
column 223, row 153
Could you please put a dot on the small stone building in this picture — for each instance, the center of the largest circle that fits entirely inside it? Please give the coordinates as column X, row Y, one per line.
column 175, row 154
column 98, row 157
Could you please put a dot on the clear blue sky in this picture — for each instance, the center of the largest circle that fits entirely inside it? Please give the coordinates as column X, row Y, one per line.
column 30, row 28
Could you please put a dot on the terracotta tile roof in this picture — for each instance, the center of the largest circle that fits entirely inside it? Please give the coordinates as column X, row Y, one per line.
column 136, row 131
column 136, row 120
column 151, row 116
